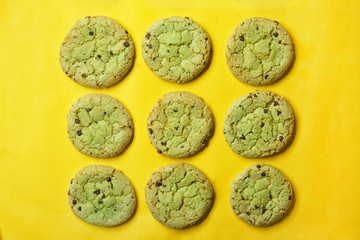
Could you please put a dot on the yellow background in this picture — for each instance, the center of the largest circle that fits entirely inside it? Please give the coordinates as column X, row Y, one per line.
column 37, row 159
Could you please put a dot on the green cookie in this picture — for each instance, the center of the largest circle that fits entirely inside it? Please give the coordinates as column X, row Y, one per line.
column 178, row 195
column 259, row 124
column 259, row 51
column 99, row 125
column 97, row 52
column 179, row 124
column 101, row 195
column 176, row 49
column 260, row 195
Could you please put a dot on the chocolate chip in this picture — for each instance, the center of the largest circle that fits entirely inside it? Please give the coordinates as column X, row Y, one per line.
column 258, row 166
column 263, row 211
column 100, row 202
column 203, row 142
column 88, row 109
column 83, row 75
column 256, row 206
column 79, row 208
column 130, row 127
column 270, row 196
column 242, row 137
column 74, row 202
column 275, row 34
column 262, row 124
column 150, row 131
column 186, row 17
column 99, row 56
column 163, row 143
column 150, row 46
column 66, row 72
column 175, row 109
column 91, row 33
column 71, row 181
column 265, row 110
column 77, row 120
column 263, row 174
column 281, row 138
column 111, row 53
column 266, row 76
column 158, row 150
column 79, row 133
column 148, row 35
column 158, row 183
column 69, row 192
column 126, row 44
column 278, row 112
column 241, row 38
column 97, row 191
column 247, row 213
column 176, row 128
column 154, row 58
column 234, row 207
column 290, row 197
column 276, row 22
column 103, row 196
column 250, row 221
column 108, row 179
column 276, row 103
column 126, row 31
column 255, row 95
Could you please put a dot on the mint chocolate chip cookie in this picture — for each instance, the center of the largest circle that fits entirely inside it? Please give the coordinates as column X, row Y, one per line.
column 176, row 49
column 178, row 195
column 179, row 124
column 102, row 195
column 99, row 125
column 260, row 195
column 259, row 124
column 97, row 52
column 259, row 51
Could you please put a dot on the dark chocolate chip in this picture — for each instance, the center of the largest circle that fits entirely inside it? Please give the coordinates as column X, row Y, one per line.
column 150, row 131
column 242, row 137
column 77, row 120
column 66, row 72
column 91, row 33
column 150, row 46
column 262, row 124
column 108, row 179
column 158, row 150
column 264, row 210
column 126, row 44
column 241, row 38
column 111, row 53
column 175, row 109
column 74, row 202
column 275, row 34
column 278, row 112
column 256, row 206
column 276, row 103
column 281, row 138
column 266, row 76
column 176, row 128
column 263, row 174
column 126, row 31
column 79, row 133
column 258, row 166
column 154, row 58
column 83, row 75
column 97, row 191
column 79, row 208
column 158, row 183
column 265, row 110
column 99, row 56
column 100, row 202
column 163, row 143
column 290, row 197
column 247, row 213
column 148, row 35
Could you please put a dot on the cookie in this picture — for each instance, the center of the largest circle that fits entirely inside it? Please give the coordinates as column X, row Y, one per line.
column 176, row 49
column 178, row 195
column 179, row 124
column 102, row 195
column 260, row 195
column 259, row 124
column 97, row 52
column 99, row 125
column 259, row 51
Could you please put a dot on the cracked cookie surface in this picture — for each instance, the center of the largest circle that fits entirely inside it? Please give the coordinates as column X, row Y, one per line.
column 97, row 52
column 260, row 195
column 259, row 124
column 99, row 125
column 259, row 51
column 102, row 195
column 179, row 124
column 176, row 49
column 178, row 195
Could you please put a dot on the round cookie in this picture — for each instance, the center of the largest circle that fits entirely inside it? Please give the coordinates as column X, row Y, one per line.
column 259, row 51
column 102, row 195
column 260, row 195
column 259, row 124
column 179, row 124
column 176, row 49
column 178, row 195
column 99, row 125
column 97, row 52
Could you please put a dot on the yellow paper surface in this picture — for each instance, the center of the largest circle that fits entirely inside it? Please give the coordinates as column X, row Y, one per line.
column 37, row 160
